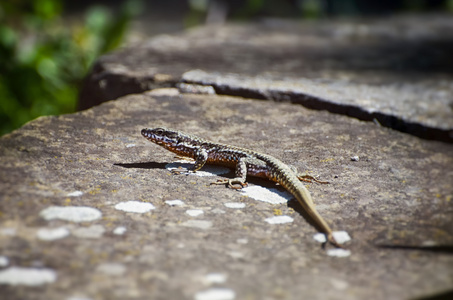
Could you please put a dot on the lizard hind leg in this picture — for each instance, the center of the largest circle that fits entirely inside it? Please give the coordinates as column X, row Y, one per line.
column 309, row 178
column 305, row 177
column 238, row 182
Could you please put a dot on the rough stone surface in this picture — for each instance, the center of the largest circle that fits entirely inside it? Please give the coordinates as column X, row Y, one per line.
column 421, row 110
column 394, row 200
column 396, row 71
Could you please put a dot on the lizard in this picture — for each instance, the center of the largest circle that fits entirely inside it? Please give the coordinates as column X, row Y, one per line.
column 244, row 161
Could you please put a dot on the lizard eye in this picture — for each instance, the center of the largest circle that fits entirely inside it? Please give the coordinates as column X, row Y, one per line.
column 159, row 131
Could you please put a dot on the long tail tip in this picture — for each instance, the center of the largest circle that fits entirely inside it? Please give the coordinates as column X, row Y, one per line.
column 332, row 241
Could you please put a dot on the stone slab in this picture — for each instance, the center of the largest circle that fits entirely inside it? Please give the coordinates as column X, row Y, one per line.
column 420, row 110
column 121, row 233
column 396, row 70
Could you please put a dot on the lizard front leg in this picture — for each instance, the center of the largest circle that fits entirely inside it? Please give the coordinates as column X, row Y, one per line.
column 201, row 156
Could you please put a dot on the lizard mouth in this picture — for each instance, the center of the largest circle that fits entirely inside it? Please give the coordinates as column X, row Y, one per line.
column 145, row 132
column 152, row 137
column 148, row 135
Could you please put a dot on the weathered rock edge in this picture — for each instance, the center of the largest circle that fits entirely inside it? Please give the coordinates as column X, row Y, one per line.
column 395, row 56
column 293, row 92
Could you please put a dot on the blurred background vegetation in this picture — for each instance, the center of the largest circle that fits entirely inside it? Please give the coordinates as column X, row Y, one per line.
column 48, row 46
column 44, row 56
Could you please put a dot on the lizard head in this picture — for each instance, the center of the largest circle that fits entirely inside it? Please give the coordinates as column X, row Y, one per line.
column 161, row 135
column 170, row 138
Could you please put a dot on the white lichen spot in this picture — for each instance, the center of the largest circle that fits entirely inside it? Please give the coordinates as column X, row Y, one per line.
column 218, row 211
column 51, row 234
column 162, row 91
column 194, row 212
column 91, row 232
column 279, row 220
column 338, row 252
column 234, row 205
column 120, row 230
column 242, row 241
column 175, row 202
column 236, row 254
column 4, row 261
column 272, row 195
column 429, row 243
column 78, row 298
column 135, row 206
column 339, row 284
column 75, row 194
column 320, row 237
column 207, row 170
column 27, row 276
column 201, row 224
column 130, row 145
column 215, row 278
column 71, row 213
column 216, row 294
column 112, row 269
column 340, row 236
column 9, row 231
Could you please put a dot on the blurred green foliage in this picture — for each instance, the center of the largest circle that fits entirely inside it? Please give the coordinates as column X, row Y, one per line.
column 43, row 59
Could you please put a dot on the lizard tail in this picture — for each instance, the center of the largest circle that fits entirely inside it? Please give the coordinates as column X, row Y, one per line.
column 304, row 198
column 332, row 240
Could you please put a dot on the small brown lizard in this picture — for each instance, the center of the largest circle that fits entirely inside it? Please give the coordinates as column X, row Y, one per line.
column 245, row 161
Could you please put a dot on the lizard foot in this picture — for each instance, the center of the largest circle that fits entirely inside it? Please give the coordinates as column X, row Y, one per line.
column 180, row 170
column 309, row 178
column 232, row 183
